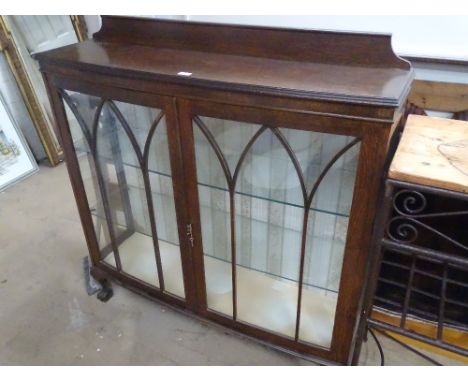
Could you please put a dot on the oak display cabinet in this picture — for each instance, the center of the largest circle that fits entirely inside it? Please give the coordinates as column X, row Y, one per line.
column 232, row 171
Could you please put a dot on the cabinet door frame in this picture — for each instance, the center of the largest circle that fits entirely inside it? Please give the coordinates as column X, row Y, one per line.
column 164, row 103
column 373, row 137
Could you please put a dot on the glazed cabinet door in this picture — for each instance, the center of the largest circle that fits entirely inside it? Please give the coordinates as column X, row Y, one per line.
column 126, row 149
column 272, row 210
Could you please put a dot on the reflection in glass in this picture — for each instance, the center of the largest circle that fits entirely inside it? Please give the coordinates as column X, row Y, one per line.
column 162, row 195
column 216, row 228
column 325, row 244
column 264, row 179
column 268, row 295
column 126, row 148
column 81, row 140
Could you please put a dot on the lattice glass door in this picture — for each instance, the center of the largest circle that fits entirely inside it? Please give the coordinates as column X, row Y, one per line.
column 274, row 205
column 123, row 154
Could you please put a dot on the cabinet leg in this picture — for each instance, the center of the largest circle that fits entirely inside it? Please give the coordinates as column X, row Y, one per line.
column 106, row 292
column 96, row 282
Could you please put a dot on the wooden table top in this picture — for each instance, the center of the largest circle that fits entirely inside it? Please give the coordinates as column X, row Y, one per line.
column 433, row 152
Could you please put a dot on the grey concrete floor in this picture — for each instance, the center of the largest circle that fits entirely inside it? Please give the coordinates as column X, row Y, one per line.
column 46, row 317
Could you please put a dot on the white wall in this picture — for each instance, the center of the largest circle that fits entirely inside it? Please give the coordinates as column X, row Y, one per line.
column 425, row 36
column 433, row 36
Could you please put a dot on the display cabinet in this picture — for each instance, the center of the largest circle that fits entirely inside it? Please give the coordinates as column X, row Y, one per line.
column 232, row 171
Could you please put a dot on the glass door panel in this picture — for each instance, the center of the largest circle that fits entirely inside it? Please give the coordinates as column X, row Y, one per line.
column 282, row 199
column 268, row 222
column 130, row 195
column 81, row 136
column 118, row 157
column 327, row 227
column 162, row 195
column 214, row 201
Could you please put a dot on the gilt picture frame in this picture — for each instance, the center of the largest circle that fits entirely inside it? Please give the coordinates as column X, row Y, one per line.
column 16, row 159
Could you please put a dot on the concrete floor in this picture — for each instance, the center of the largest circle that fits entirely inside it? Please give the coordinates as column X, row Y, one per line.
column 46, row 317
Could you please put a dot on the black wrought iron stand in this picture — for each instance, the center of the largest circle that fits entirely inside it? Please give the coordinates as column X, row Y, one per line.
column 421, row 273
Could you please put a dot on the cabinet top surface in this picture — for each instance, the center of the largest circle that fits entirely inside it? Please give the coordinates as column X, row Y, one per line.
column 433, row 152
column 348, row 67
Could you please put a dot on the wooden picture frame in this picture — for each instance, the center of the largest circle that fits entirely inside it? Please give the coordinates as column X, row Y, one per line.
column 9, row 47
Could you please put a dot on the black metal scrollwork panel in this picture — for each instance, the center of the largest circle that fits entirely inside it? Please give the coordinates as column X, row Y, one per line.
column 421, row 219
column 423, row 271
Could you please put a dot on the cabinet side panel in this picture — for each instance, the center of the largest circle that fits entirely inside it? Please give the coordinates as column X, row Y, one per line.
column 362, row 216
column 73, row 169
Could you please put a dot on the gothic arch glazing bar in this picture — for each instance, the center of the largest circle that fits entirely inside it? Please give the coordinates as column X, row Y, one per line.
column 256, row 185
column 128, row 152
column 89, row 134
column 335, row 169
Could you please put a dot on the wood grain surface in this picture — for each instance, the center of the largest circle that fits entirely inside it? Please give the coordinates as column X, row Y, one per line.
column 433, row 152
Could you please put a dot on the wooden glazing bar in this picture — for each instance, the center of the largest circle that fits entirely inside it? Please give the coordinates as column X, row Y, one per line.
column 212, row 141
column 121, row 176
column 149, row 200
column 301, row 271
column 307, row 206
column 122, row 237
column 154, row 232
column 294, row 160
column 102, row 186
column 232, row 203
column 90, row 137
column 79, row 118
column 243, row 155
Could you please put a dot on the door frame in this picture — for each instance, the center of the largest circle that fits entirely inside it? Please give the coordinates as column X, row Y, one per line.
column 373, row 137
column 168, row 105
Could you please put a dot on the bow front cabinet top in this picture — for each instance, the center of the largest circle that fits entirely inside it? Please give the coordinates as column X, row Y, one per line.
column 232, row 171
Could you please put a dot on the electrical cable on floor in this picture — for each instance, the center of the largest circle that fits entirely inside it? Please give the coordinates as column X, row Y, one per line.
column 379, row 346
column 410, row 348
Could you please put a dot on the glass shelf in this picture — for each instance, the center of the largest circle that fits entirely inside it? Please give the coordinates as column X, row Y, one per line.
column 317, row 243
column 215, row 187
